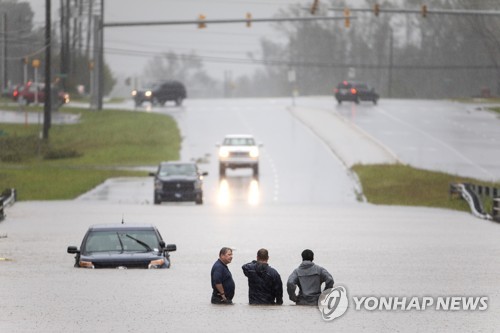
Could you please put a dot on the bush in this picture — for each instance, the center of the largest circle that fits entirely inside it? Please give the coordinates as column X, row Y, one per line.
column 54, row 154
column 17, row 149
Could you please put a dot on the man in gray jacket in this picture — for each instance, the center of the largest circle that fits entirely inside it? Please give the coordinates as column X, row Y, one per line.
column 308, row 277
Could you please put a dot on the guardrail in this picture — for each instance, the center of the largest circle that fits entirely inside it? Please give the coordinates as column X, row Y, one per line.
column 473, row 194
column 7, row 198
column 486, row 191
column 495, row 214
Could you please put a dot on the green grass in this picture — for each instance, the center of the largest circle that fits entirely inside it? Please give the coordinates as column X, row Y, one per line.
column 101, row 142
column 407, row 186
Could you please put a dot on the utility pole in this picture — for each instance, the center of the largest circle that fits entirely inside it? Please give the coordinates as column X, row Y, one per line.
column 65, row 36
column 100, row 90
column 4, row 51
column 391, row 62
column 48, row 103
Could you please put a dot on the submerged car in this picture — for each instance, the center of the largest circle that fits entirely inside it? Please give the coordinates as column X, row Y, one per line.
column 178, row 181
column 122, row 246
column 239, row 151
column 355, row 92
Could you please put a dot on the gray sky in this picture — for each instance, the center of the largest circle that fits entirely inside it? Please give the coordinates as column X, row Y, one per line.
column 129, row 49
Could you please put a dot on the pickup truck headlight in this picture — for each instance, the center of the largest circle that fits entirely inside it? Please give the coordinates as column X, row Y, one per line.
column 254, row 152
column 223, row 152
column 148, row 93
column 134, row 93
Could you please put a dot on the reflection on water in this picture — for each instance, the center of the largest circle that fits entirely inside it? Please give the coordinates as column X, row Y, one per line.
column 238, row 189
column 253, row 193
column 223, row 193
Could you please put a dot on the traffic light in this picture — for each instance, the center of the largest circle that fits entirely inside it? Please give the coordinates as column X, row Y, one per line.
column 202, row 24
column 424, row 10
column 347, row 16
column 376, row 9
column 249, row 20
column 314, row 6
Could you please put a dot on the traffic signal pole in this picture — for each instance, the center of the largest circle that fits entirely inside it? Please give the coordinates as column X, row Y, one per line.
column 47, row 106
column 222, row 21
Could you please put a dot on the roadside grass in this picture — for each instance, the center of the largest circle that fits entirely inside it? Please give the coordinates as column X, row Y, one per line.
column 403, row 185
column 85, row 154
column 497, row 110
column 56, row 183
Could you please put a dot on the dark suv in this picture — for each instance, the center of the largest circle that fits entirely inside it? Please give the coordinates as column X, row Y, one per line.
column 161, row 93
column 178, row 181
column 355, row 92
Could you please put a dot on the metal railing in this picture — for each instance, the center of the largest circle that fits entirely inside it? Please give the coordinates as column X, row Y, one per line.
column 474, row 195
column 7, row 198
column 495, row 212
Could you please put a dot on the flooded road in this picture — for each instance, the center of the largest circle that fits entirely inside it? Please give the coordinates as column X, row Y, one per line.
column 370, row 250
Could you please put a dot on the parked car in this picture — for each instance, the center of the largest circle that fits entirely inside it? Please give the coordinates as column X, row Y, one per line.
column 122, row 246
column 355, row 92
column 239, row 151
column 31, row 92
column 9, row 91
column 161, row 93
column 178, row 181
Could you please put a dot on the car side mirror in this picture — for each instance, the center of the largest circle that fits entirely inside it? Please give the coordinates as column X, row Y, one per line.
column 171, row 248
column 152, row 174
column 204, row 173
column 73, row 249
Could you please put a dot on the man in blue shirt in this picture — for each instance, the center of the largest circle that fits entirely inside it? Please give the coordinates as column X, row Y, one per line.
column 222, row 281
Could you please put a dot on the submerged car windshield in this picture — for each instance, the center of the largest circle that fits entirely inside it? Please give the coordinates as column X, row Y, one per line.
column 177, row 169
column 122, row 241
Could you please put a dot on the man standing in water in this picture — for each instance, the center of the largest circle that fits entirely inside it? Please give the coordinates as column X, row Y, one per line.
column 222, row 281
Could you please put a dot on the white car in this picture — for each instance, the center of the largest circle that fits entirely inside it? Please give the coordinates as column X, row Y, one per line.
column 239, row 151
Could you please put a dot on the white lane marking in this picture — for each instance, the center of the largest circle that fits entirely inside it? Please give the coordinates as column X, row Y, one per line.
column 442, row 143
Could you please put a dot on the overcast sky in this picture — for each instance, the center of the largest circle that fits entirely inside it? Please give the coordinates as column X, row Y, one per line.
column 128, row 49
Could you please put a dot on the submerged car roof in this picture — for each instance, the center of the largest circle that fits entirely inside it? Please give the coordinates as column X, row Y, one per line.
column 176, row 162
column 122, row 226
column 239, row 136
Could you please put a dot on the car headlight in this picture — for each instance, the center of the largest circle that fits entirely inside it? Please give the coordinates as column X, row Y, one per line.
column 158, row 263
column 134, row 92
column 86, row 264
column 148, row 93
column 254, row 152
column 158, row 185
column 223, row 152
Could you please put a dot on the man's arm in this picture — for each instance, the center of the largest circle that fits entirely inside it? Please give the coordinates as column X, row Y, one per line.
column 327, row 278
column 220, row 290
column 278, row 289
column 291, row 285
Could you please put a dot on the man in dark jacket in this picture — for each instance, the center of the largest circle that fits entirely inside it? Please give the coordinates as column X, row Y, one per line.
column 264, row 282
column 222, row 281
column 308, row 277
